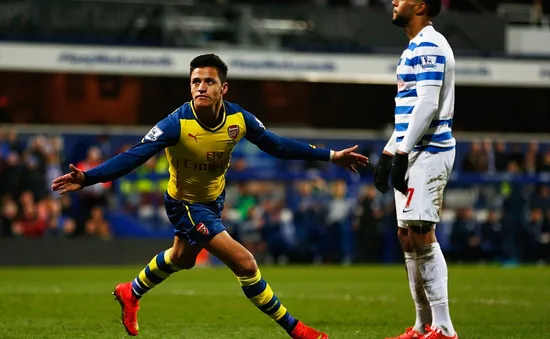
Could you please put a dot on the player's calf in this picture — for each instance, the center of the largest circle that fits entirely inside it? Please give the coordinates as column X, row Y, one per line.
column 255, row 287
column 158, row 270
column 416, row 286
column 258, row 290
column 260, row 294
column 433, row 270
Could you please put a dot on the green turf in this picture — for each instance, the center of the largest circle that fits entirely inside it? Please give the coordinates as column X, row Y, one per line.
column 352, row 302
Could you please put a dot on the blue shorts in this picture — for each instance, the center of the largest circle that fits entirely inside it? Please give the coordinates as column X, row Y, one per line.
column 198, row 222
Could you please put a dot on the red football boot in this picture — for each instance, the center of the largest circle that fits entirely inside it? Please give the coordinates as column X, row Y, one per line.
column 410, row 333
column 302, row 331
column 129, row 305
column 435, row 333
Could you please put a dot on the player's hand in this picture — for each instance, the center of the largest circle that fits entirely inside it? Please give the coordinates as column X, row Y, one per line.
column 347, row 158
column 399, row 171
column 382, row 173
column 70, row 182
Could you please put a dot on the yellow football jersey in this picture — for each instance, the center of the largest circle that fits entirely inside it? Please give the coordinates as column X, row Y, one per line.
column 201, row 157
column 198, row 155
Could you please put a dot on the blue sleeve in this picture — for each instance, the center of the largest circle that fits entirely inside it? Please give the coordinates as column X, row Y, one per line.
column 164, row 134
column 280, row 147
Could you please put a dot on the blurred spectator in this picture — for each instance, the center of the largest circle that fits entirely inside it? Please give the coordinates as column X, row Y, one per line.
column 143, row 190
column 247, row 216
column 545, row 162
column 465, row 236
column 514, row 210
column 491, row 237
column 59, row 224
column 30, row 225
column 53, row 170
column 14, row 144
column 367, row 235
column 277, row 232
column 532, row 159
column 97, row 226
column 541, row 198
column 96, row 195
column 309, row 211
column 338, row 245
column 535, row 237
column 477, row 160
column 489, row 152
column 11, row 176
column 502, row 158
column 516, row 154
column 9, row 214
column 33, row 178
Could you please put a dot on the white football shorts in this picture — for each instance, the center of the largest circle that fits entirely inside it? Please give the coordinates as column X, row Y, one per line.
column 428, row 175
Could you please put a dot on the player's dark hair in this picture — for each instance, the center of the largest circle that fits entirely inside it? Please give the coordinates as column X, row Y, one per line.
column 210, row 60
column 434, row 7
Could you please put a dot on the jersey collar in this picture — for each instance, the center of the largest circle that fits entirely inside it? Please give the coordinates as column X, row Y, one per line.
column 214, row 129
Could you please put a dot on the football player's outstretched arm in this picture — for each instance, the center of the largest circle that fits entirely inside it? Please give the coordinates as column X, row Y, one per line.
column 164, row 134
column 285, row 148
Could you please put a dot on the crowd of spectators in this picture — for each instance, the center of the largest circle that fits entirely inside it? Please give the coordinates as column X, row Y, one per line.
column 313, row 220
column 28, row 208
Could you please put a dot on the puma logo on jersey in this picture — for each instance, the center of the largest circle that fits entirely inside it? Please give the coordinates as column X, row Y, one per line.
column 193, row 136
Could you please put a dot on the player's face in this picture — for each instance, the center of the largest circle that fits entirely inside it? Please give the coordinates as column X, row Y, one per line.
column 405, row 10
column 206, row 87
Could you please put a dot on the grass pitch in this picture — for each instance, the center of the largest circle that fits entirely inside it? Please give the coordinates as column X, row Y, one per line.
column 346, row 302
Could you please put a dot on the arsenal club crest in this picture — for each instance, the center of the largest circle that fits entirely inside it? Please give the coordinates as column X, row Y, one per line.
column 202, row 229
column 233, row 131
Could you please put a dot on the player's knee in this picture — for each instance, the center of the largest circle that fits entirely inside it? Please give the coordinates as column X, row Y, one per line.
column 187, row 264
column 246, row 266
column 403, row 233
column 420, row 230
column 181, row 260
column 404, row 239
column 421, row 234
